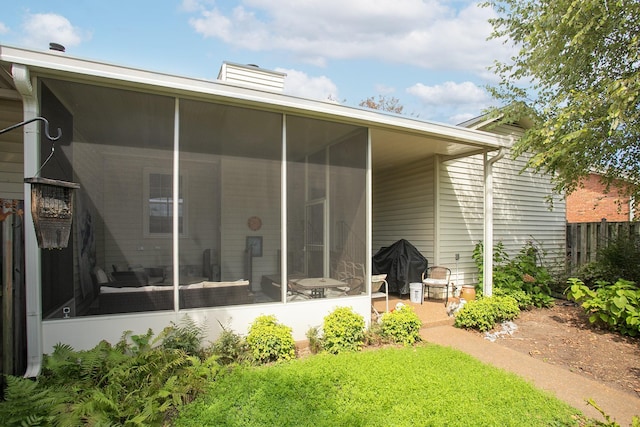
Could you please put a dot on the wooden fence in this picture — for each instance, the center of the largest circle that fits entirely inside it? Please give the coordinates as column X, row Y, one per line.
column 585, row 238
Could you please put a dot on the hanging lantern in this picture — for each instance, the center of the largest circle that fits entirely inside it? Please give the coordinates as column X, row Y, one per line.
column 52, row 211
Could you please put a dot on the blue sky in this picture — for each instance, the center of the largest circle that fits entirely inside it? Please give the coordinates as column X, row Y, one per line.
column 430, row 54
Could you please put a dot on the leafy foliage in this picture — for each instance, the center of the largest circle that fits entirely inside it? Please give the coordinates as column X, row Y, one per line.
column 576, row 74
column 401, row 325
column 524, row 277
column 619, row 259
column 315, row 340
column 483, row 314
column 616, row 306
column 137, row 382
column 26, row 403
column 343, row 331
column 270, row 341
column 186, row 336
column 230, row 348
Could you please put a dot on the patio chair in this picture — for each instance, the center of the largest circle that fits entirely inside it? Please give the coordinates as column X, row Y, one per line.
column 356, row 281
column 377, row 280
column 437, row 277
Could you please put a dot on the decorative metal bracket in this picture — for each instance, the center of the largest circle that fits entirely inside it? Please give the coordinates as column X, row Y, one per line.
column 46, row 128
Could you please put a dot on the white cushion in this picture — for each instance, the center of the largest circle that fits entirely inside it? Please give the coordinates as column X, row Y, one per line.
column 436, row 282
column 101, row 276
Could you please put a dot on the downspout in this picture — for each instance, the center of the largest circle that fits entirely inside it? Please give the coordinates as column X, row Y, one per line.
column 31, row 149
column 487, row 261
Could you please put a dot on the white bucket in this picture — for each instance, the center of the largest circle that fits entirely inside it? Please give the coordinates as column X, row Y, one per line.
column 415, row 292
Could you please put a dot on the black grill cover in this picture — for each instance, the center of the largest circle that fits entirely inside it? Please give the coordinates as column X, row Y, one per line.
column 402, row 263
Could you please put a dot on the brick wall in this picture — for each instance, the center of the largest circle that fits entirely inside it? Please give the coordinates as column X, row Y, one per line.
column 591, row 204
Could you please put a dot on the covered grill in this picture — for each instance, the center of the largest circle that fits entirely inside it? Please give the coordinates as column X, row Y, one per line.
column 402, row 263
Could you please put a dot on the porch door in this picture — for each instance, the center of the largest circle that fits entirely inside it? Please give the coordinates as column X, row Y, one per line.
column 315, row 236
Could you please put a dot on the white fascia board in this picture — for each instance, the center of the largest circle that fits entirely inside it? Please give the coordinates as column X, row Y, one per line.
column 60, row 64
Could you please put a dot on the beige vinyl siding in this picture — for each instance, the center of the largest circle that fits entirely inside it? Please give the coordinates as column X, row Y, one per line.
column 11, row 151
column 403, row 207
column 461, row 216
column 521, row 210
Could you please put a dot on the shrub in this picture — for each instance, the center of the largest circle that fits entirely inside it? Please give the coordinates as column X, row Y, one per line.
column 270, row 341
column 483, row 314
column 136, row 382
column 401, row 326
column 230, row 347
column 186, row 336
column 373, row 335
column 343, row 331
column 315, row 341
column 621, row 257
column 524, row 273
column 617, row 306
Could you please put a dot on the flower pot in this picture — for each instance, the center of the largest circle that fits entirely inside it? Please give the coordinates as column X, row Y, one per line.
column 468, row 292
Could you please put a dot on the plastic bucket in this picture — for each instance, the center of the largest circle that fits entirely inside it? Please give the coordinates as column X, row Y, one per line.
column 415, row 292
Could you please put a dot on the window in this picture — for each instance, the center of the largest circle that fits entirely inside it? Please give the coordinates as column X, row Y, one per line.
column 159, row 204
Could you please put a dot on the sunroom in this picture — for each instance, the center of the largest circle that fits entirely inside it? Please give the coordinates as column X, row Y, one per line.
column 206, row 198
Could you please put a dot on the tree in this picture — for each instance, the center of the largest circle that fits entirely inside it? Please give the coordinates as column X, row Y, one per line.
column 391, row 105
column 576, row 75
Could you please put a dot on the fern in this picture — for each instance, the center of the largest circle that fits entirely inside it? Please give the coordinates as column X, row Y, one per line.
column 28, row 403
column 141, row 381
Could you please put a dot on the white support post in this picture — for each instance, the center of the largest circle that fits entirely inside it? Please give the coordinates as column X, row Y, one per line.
column 487, row 260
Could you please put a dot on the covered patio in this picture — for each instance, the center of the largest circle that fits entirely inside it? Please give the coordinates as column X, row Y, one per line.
column 431, row 312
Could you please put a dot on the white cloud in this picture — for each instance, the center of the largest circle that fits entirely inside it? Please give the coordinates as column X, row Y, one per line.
column 42, row 28
column 3, row 28
column 298, row 83
column 455, row 101
column 384, row 89
column 426, row 33
column 450, row 93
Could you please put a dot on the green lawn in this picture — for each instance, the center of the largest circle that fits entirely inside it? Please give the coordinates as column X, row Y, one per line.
column 426, row 385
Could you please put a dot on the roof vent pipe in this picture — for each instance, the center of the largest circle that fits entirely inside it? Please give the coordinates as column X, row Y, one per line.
column 57, row 47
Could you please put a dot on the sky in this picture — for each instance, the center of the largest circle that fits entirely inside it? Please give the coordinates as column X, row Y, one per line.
column 432, row 55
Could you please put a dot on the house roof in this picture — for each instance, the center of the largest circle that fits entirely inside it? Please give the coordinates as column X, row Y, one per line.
column 396, row 140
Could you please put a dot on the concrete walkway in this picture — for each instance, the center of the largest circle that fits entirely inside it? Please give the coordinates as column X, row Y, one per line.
column 571, row 388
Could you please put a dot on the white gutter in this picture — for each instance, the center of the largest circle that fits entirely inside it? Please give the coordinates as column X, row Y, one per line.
column 32, row 274
column 487, row 260
column 55, row 64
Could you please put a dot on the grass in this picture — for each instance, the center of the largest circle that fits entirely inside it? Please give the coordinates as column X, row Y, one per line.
column 427, row 385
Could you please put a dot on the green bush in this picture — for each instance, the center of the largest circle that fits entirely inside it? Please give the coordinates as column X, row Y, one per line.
column 401, row 326
column 186, row 336
column 138, row 381
column 315, row 341
column 230, row 347
column 619, row 259
column 621, row 256
column 616, row 306
column 343, row 330
column 524, row 273
column 270, row 341
column 483, row 314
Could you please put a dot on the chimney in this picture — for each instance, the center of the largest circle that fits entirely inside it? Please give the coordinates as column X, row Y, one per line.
column 252, row 76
